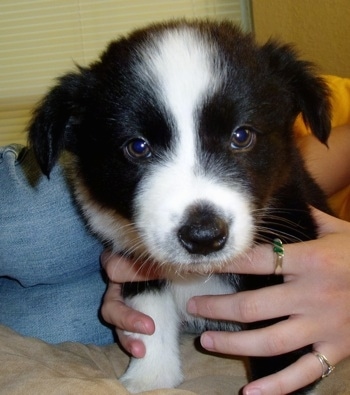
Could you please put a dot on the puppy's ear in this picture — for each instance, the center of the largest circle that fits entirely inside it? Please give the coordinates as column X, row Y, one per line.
column 313, row 94
column 310, row 92
column 52, row 127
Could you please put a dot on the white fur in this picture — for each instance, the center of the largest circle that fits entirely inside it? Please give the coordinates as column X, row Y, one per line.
column 171, row 190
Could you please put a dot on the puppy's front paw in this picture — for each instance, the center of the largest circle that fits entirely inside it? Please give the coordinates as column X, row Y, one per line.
column 141, row 376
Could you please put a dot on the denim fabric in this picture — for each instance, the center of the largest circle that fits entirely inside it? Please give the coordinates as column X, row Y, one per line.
column 51, row 284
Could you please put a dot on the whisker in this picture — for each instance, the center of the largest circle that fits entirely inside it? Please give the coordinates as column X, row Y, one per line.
column 273, row 221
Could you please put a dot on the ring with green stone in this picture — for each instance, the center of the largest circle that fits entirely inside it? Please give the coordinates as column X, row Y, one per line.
column 279, row 254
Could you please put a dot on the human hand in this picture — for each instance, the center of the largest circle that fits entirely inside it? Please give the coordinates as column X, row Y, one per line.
column 115, row 311
column 315, row 295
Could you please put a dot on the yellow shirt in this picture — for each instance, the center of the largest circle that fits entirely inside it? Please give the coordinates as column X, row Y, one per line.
column 340, row 100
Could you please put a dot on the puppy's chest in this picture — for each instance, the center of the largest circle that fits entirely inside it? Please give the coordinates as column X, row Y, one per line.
column 183, row 289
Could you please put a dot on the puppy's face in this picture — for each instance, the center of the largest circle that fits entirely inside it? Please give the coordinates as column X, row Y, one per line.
column 184, row 148
column 182, row 136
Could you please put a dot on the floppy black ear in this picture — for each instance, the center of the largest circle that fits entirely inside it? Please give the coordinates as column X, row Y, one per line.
column 313, row 97
column 51, row 128
column 310, row 92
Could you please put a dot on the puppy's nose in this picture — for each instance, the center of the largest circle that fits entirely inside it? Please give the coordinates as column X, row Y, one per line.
column 203, row 233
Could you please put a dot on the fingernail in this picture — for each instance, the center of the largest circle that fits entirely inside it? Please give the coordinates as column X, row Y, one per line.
column 253, row 391
column 140, row 327
column 207, row 342
column 137, row 350
column 192, row 307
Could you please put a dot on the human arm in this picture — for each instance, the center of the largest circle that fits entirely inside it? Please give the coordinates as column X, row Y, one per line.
column 329, row 165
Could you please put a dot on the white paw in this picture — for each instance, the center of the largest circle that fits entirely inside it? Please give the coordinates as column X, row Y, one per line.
column 161, row 366
column 143, row 377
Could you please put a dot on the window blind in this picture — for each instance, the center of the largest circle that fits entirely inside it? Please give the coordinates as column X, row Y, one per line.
column 42, row 39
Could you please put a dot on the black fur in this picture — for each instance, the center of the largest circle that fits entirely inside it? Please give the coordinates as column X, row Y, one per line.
column 93, row 112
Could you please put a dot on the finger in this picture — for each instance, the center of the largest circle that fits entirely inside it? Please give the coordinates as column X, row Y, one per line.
column 133, row 346
column 307, row 370
column 247, row 306
column 261, row 259
column 273, row 340
column 117, row 313
column 121, row 270
column 258, row 260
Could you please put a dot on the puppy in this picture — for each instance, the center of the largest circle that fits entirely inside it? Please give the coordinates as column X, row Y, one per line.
column 184, row 157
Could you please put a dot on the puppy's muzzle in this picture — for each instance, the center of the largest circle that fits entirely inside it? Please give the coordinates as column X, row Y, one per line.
column 203, row 231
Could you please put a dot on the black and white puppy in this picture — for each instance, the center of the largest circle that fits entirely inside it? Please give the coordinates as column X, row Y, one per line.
column 184, row 157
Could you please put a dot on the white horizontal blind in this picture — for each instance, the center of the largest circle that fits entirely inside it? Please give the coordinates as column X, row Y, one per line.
column 42, row 39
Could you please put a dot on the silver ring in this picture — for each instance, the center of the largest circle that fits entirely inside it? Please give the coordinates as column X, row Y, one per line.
column 279, row 254
column 327, row 367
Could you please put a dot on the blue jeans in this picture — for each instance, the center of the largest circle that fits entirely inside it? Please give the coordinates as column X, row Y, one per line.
column 51, row 285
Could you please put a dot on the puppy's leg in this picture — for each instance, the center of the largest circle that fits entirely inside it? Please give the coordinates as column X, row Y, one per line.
column 161, row 366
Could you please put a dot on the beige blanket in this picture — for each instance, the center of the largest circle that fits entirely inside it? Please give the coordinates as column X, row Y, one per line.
column 32, row 367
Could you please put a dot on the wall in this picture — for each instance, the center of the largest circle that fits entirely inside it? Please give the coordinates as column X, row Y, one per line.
column 42, row 39
column 319, row 28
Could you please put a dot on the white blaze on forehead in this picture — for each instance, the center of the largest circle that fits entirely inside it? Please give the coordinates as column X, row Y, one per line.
column 182, row 61
column 179, row 64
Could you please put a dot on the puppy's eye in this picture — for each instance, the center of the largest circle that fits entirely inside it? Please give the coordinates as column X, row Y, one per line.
column 137, row 149
column 243, row 138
